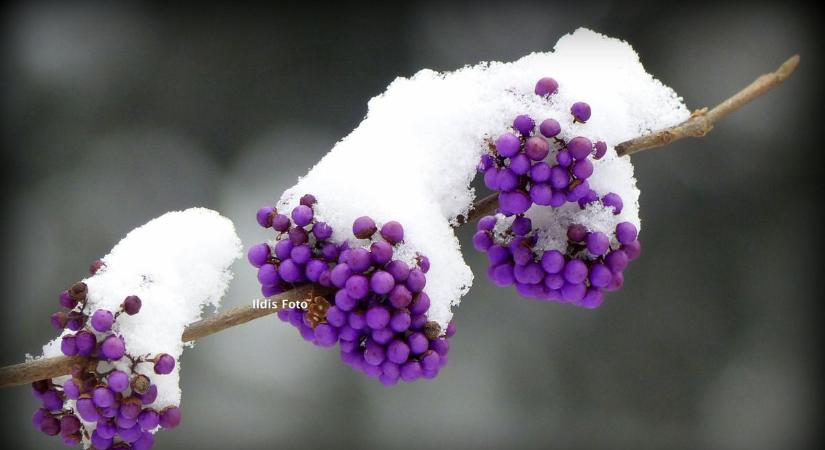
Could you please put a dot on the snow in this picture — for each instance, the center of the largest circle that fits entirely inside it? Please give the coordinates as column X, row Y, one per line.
column 414, row 155
column 177, row 264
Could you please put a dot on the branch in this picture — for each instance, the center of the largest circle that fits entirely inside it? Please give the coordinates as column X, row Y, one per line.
column 698, row 125
column 44, row 368
column 702, row 121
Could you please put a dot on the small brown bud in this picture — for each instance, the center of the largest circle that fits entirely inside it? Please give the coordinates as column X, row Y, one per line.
column 140, row 384
column 78, row 291
column 432, row 330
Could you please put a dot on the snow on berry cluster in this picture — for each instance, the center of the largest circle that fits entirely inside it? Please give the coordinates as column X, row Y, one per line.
column 535, row 173
column 414, row 156
column 114, row 400
column 126, row 321
column 377, row 309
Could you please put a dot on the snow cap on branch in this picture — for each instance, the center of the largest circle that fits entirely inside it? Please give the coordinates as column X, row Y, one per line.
column 177, row 264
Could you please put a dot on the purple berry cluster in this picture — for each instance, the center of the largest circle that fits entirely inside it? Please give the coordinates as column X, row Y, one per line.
column 376, row 307
column 115, row 401
column 519, row 169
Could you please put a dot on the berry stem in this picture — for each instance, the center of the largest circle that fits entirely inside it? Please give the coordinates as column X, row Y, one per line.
column 700, row 123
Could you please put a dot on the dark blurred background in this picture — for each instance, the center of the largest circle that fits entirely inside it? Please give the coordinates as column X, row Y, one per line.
column 116, row 113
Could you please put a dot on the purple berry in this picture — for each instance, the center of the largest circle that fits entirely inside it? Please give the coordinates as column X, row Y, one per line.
column 579, row 147
column 325, row 335
column 520, row 164
column 400, row 321
column 400, row 297
column 357, row 287
column 392, row 232
column 103, row 397
column 67, row 301
column 626, row 232
column 264, row 216
column 580, row 111
column 283, row 248
column 258, row 254
column 418, row 343
column 307, row 200
column 600, row 275
column 118, row 381
column 541, row 194
column 552, row 261
column 298, row 236
column 289, row 271
column 507, row 180
column 280, row 223
column 571, row 292
column 521, row 226
column 377, row 317
column 302, row 215
column 546, row 87
column 300, row 254
column 170, row 417
column 536, row 148
column 597, row 243
column 508, row 145
column 68, row 345
column 411, row 371
column 515, row 202
column 575, row 271
column 613, row 200
column 416, row 280
column 616, row 261
column 420, row 304
column 164, row 364
column 582, row 169
column 576, row 232
column 381, row 282
column 85, row 342
column 524, row 124
column 359, row 260
column 322, row 231
column 131, row 305
column 550, row 128
column 363, row 227
column 564, row 159
column 340, row 274
column 601, row 149
column 559, row 178
column 633, row 250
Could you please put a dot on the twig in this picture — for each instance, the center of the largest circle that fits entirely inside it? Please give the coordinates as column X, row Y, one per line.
column 702, row 121
column 41, row 369
column 698, row 125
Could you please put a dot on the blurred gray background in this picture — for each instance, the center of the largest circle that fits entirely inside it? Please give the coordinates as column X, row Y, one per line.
column 114, row 114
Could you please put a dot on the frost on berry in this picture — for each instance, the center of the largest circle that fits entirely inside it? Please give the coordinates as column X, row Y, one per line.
column 127, row 319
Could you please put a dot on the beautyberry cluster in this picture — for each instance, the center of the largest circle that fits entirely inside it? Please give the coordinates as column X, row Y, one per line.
column 527, row 168
column 106, row 402
column 375, row 307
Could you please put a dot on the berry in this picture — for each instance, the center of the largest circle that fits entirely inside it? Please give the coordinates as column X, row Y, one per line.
column 550, row 128
column 392, row 232
column 264, row 216
column 102, row 320
column 363, row 227
column 302, row 215
column 507, row 145
column 546, row 87
column 580, row 111
column 524, row 124
column 118, row 381
column 112, row 348
column 258, row 254
column 164, row 364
